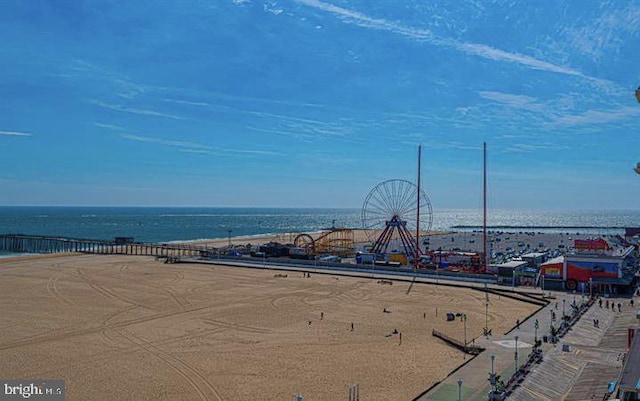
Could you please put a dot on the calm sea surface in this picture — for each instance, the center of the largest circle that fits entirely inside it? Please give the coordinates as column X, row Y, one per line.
column 184, row 224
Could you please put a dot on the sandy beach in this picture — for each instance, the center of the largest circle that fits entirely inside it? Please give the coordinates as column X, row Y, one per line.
column 127, row 327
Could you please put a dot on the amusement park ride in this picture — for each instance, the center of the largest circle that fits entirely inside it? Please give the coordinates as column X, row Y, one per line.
column 395, row 214
column 338, row 241
column 391, row 212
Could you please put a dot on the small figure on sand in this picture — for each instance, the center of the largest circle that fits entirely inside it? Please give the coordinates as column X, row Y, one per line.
column 619, row 307
column 631, row 302
column 400, row 338
column 309, row 322
column 600, row 302
column 321, row 315
column 351, row 326
column 518, row 324
column 606, row 304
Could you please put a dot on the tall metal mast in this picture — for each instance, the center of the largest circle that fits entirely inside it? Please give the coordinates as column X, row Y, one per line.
column 417, row 255
column 484, row 196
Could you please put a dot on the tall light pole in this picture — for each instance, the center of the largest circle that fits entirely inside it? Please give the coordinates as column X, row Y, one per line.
column 535, row 336
column 564, row 301
column 464, row 317
column 459, row 389
column 486, row 318
column 516, row 353
column 492, row 376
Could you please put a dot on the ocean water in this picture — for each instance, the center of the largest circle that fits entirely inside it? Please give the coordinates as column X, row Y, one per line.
column 153, row 224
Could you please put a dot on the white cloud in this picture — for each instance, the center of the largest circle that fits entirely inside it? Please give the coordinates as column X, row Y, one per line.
column 166, row 142
column 109, row 126
column 609, row 32
column 14, row 133
column 135, row 110
column 518, row 101
column 476, row 49
column 598, row 117
column 193, row 147
column 501, row 55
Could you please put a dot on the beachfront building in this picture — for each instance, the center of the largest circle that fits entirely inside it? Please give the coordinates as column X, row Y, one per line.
column 513, row 273
column 629, row 387
column 535, row 259
column 595, row 266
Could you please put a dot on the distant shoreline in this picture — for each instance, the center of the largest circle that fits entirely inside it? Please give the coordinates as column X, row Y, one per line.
column 540, row 227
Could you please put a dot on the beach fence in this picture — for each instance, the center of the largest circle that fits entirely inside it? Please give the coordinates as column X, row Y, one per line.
column 472, row 350
column 25, row 243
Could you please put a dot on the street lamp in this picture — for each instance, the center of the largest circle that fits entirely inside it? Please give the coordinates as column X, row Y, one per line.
column 492, row 377
column 486, row 318
column 459, row 389
column 464, row 318
column 564, row 301
column 535, row 336
column 516, row 353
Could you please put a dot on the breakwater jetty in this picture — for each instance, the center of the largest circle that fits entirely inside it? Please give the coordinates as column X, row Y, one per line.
column 24, row 243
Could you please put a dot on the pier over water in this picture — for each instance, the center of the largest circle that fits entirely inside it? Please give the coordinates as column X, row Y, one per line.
column 24, row 243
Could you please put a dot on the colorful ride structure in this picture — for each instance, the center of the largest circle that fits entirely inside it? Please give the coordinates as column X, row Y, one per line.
column 338, row 241
column 394, row 214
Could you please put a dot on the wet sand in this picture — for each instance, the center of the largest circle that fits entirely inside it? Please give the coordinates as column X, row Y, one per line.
column 131, row 327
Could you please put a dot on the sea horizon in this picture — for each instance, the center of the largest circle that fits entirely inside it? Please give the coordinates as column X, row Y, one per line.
column 181, row 224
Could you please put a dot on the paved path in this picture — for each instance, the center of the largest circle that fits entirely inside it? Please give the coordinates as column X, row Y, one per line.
column 594, row 358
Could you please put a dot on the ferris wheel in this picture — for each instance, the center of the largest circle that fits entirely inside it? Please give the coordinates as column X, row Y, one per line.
column 392, row 206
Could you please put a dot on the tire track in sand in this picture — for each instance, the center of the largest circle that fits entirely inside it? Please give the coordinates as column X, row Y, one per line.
column 54, row 292
column 71, row 332
column 181, row 367
column 105, row 292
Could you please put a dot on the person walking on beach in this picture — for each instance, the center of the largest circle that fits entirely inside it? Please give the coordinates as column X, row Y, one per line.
column 600, row 302
column 321, row 315
column 607, row 304
column 400, row 335
column 518, row 324
column 619, row 307
column 631, row 302
column 351, row 326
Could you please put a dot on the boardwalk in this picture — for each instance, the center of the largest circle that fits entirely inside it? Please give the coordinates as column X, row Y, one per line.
column 582, row 371
column 594, row 358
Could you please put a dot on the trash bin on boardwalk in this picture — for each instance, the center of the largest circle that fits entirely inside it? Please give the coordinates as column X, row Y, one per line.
column 566, row 348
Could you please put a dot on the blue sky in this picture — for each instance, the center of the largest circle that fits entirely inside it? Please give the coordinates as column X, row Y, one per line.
column 312, row 103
